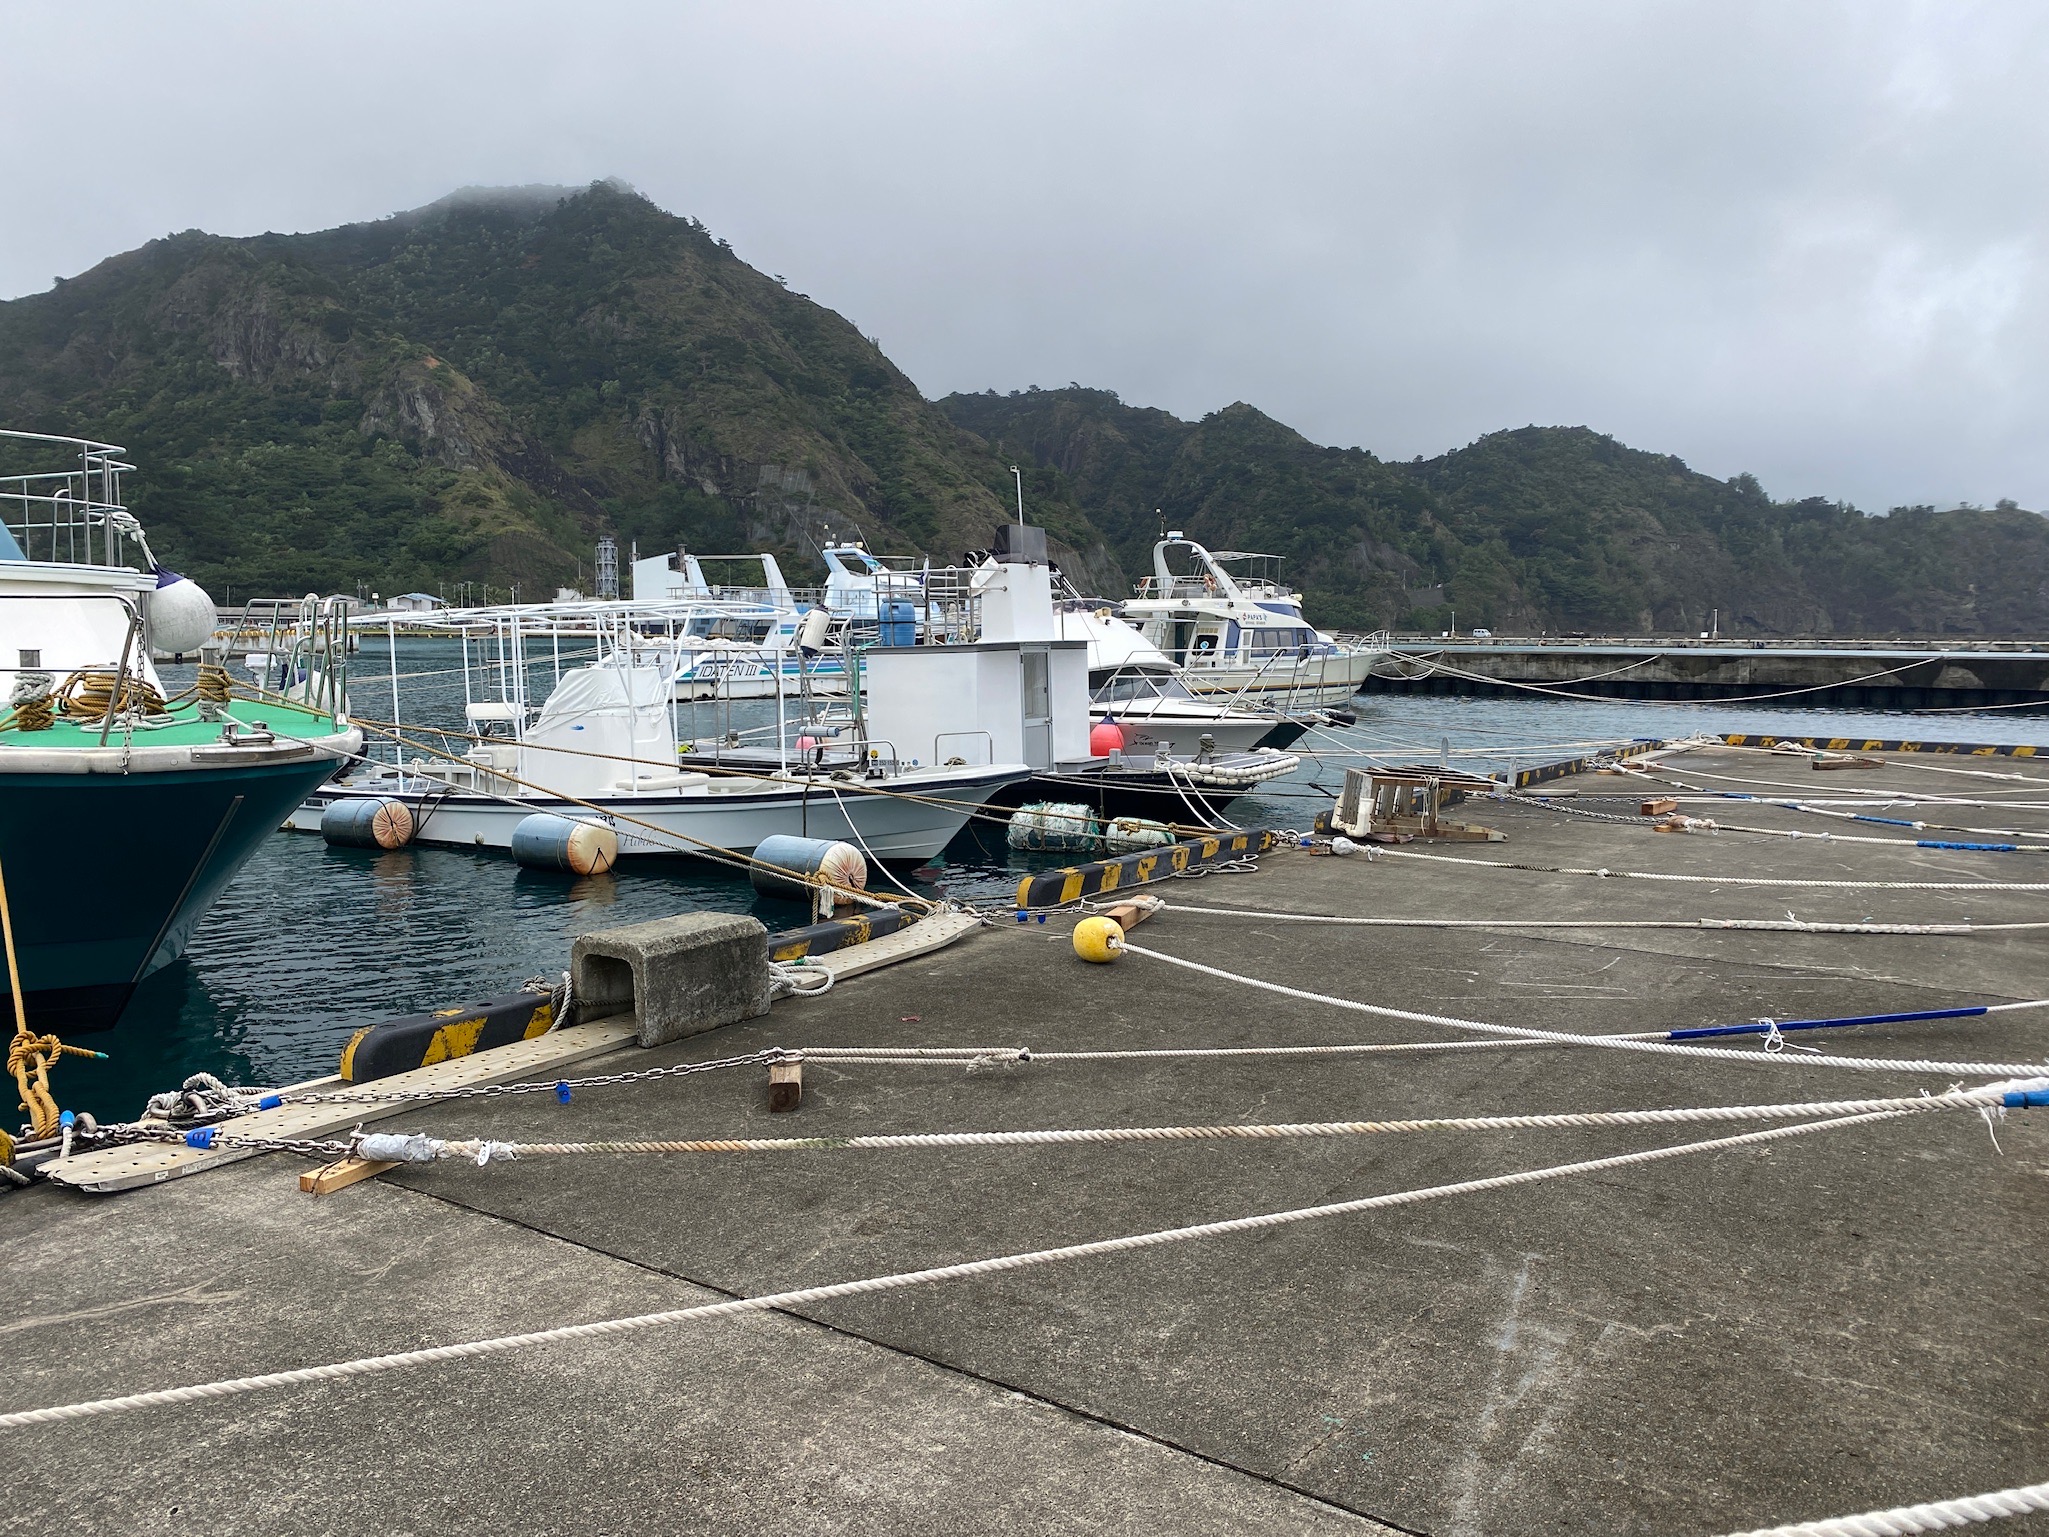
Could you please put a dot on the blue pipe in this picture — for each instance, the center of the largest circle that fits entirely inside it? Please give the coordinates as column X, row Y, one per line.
column 1975, row 848
column 1822, row 1024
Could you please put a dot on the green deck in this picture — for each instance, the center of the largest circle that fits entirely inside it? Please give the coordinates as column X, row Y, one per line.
column 182, row 728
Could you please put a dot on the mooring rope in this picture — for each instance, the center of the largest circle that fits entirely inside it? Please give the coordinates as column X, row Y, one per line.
column 1613, row 1042
column 418, row 1147
column 1902, row 1520
column 468, row 1350
column 1721, row 880
column 1772, row 925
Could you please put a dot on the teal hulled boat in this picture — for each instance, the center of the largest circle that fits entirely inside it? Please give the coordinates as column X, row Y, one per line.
column 123, row 815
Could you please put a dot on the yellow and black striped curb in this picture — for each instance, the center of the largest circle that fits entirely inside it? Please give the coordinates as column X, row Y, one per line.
column 1055, row 888
column 421, row 1040
column 1862, row 744
column 1546, row 772
column 837, row 933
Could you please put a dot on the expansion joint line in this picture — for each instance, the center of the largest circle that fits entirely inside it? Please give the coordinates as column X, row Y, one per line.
column 782, row 1301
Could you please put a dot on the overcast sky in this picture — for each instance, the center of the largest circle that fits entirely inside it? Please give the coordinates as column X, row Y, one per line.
column 1805, row 240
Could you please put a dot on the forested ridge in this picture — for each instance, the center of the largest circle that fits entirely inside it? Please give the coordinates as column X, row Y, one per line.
column 476, row 390
column 1529, row 530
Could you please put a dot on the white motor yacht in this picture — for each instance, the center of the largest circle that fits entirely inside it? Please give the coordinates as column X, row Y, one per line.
column 1243, row 636
column 1133, row 683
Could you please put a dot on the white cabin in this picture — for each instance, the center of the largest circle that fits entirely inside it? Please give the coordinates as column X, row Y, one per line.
column 1018, row 695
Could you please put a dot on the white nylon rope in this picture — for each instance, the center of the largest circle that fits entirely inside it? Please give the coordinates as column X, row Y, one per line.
column 1786, row 803
column 1724, row 880
column 1904, row 1519
column 366, row 1365
column 474, row 1150
column 1775, row 925
column 1614, row 1042
column 971, row 1056
column 1920, row 760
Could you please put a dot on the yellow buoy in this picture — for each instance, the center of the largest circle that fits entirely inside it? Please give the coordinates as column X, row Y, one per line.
column 1098, row 939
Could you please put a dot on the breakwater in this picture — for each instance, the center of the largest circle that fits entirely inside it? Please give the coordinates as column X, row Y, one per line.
column 1888, row 674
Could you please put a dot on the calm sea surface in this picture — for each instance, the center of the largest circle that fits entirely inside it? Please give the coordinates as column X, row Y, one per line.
column 310, row 942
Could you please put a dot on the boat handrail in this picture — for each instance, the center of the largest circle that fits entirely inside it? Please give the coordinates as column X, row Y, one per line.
column 306, row 651
column 73, row 513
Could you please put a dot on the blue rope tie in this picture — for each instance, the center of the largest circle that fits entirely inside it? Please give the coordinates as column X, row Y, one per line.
column 1821, row 1024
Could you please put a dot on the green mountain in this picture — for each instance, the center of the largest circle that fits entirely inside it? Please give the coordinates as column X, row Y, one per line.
column 1541, row 528
column 478, row 389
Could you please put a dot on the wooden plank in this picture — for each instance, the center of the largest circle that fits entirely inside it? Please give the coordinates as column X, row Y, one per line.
column 151, row 1163
column 785, row 1086
column 921, row 938
column 1128, row 915
column 341, row 1174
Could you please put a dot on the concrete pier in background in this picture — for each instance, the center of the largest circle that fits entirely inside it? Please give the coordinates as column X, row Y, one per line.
column 1877, row 674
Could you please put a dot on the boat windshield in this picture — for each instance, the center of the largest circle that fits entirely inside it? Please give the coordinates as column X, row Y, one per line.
column 1122, row 685
column 750, row 629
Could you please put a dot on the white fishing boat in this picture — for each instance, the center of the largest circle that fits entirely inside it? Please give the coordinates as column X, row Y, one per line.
column 1021, row 689
column 1243, row 635
column 1133, row 684
column 741, row 640
column 599, row 756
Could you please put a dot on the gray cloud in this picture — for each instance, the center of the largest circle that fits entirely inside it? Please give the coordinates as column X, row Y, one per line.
column 1802, row 240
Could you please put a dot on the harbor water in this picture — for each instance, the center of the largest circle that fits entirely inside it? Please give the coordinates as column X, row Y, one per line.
column 311, row 942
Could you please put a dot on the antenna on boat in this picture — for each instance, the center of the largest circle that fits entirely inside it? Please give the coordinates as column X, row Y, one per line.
column 1018, row 475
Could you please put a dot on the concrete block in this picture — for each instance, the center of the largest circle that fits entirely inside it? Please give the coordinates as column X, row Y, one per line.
column 679, row 975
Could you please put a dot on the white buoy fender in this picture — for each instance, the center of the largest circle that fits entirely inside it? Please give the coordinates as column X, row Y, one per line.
column 786, row 866
column 181, row 615
column 1134, row 835
column 545, row 841
column 367, row 824
column 812, row 631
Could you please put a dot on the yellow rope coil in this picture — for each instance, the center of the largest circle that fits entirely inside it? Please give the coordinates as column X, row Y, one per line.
column 215, row 685
column 30, row 1058
column 38, row 712
column 91, row 694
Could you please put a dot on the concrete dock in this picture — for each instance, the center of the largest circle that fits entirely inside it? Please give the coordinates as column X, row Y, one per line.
column 1733, row 1339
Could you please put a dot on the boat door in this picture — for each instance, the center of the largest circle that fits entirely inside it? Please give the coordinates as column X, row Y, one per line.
column 1036, row 696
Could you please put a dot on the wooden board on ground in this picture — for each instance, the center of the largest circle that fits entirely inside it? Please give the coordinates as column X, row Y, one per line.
column 341, row 1174
column 921, row 938
column 151, row 1163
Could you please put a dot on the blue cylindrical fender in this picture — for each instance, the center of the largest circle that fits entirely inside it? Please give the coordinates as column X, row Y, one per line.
column 545, row 841
column 787, row 866
column 364, row 823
